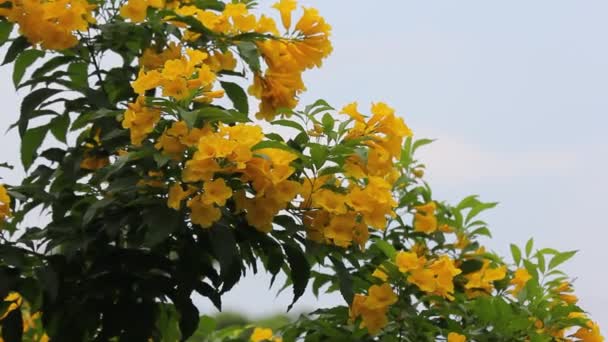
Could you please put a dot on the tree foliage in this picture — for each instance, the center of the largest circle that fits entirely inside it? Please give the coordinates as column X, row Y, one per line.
column 161, row 182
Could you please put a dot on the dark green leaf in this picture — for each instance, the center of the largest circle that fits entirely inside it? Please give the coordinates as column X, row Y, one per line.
column 79, row 74
column 19, row 45
column 30, row 143
column 300, row 271
column 30, row 103
column 237, row 95
column 6, row 28
column 162, row 221
column 22, row 62
column 470, row 266
column 250, row 54
column 345, row 280
column 59, row 127
column 226, row 252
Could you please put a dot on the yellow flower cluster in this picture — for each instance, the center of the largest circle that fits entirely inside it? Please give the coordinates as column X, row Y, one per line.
column 140, row 119
column 482, row 281
column 263, row 334
column 50, row 23
column 373, row 308
column 136, row 10
column 228, row 151
column 365, row 197
column 287, row 58
column 5, row 203
column 436, row 277
column 180, row 78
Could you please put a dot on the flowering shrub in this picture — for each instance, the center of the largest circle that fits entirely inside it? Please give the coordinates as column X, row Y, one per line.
column 162, row 184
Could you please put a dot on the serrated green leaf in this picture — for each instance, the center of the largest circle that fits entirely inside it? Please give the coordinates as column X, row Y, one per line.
column 18, row 46
column 561, row 258
column 250, row 54
column 24, row 61
column 31, row 141
column 237, row 95
column 386, row 248
column 299, row 271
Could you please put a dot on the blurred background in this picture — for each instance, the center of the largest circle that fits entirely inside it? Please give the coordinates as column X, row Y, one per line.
column 515, row 93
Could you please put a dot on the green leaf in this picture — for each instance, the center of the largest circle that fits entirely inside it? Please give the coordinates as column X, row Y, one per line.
column 541, row 262
column 471, row 265
column 318, row 154
column 345, row 280
column 421, row 142
column 51, row 65
column 516, row 253
column 206, row 325
column 386, row 248
column 18, row 46
column 328, row 123
column 30, row 103
column 478, row 209
column 32, row 139
column 24, row 61
column 59, row 127
column 6, row 28
column 79, row 74
column 561, row 258
column 529, row 246
column 300, row 271
column 162, row 221
column 225, row 250
column 289, row 123
column 167, row 323
column 237, row 95
column 250, row 54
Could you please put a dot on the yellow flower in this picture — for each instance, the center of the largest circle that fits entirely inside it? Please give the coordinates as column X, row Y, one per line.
column 590, row 333
column 202, row 213
column 483, row 279
column 340, row 230
column 424, row 279
column 285, row 7
column 372, row 319
column 352, row 111
column 216, row 192
column 136, row 10
column 408, row 261
column 145, row 81
column 380, row 296
column 15, row 299
column 330, row 201
column 445, row 271
column 261, row 334
column 519, row 280
column 140, row 120
column 380, row 273
column 5, row 203
column 455, row 337
column 424, row 219
column 177, row 195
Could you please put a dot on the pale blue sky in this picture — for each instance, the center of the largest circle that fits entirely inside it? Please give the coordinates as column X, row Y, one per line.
column 514, row 91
